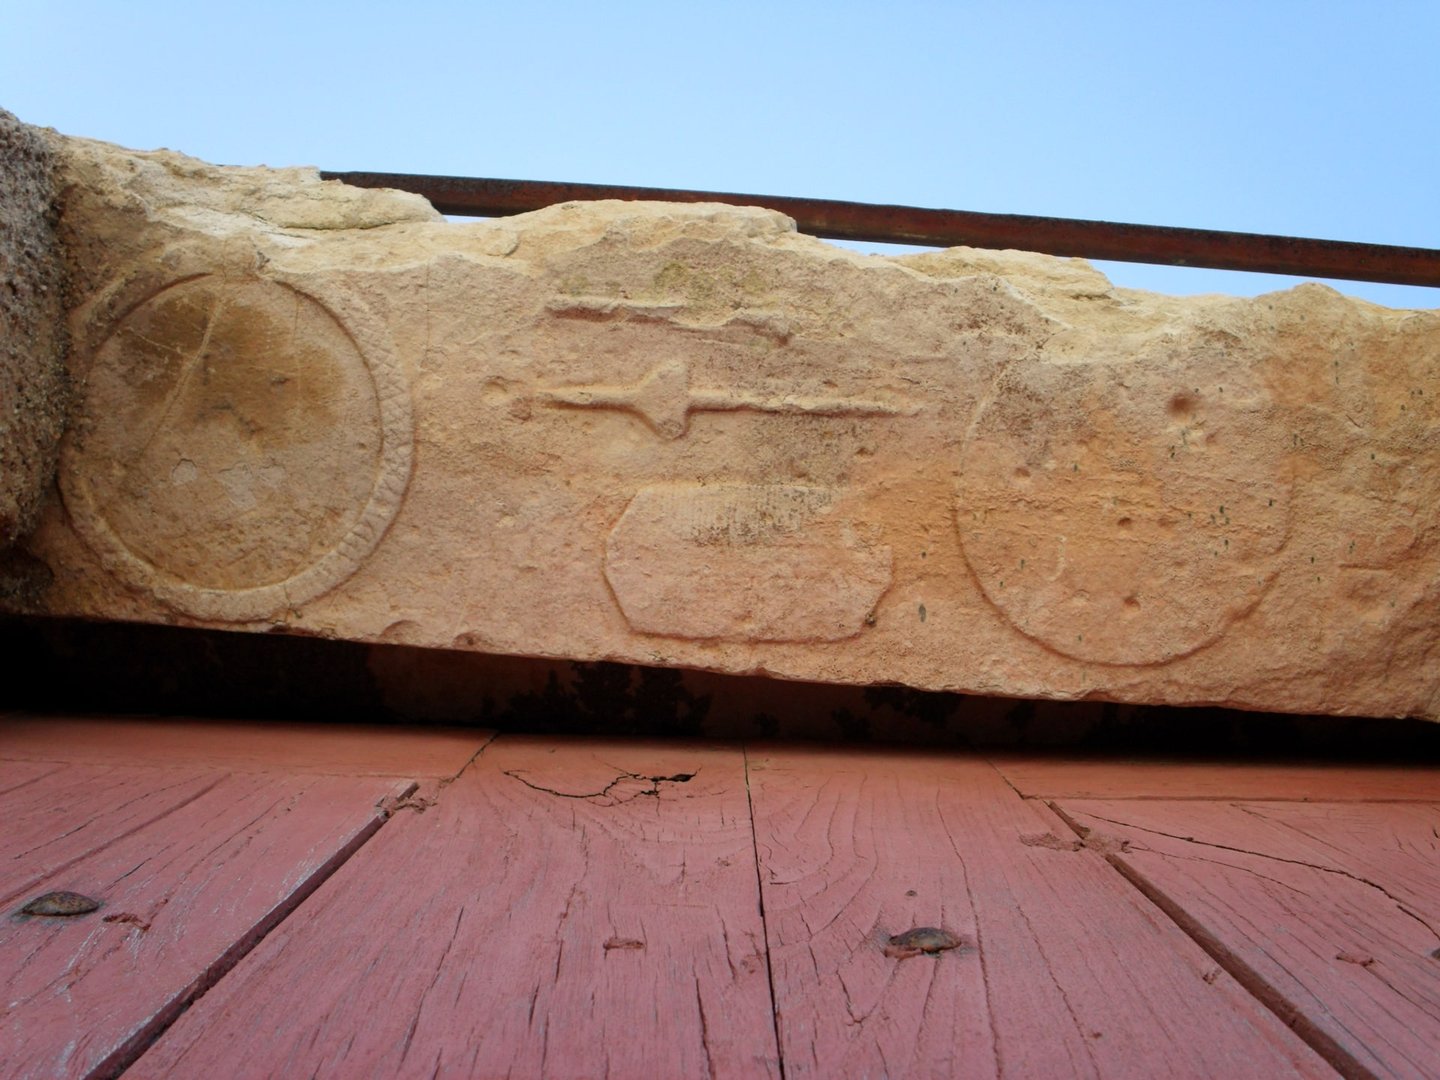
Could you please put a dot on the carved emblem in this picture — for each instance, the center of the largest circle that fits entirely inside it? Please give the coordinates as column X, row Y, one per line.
column 1099, row 510
column 664, row 399
column 238, row 452
column 665, row 396
column 743, row 562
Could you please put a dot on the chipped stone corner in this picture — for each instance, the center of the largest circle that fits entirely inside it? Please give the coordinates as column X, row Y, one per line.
column 34, row 389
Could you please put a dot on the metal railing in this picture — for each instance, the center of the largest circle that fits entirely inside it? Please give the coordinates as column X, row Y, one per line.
column 878, row 223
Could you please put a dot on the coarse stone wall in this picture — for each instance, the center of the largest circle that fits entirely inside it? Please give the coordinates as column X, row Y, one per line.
column 33, row 388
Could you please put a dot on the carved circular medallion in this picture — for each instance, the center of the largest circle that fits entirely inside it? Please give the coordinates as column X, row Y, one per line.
column 237, row 452
column 1117, row 517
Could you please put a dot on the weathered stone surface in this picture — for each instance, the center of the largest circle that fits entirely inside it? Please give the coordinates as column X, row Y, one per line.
column 33, row 392
column 685, row 435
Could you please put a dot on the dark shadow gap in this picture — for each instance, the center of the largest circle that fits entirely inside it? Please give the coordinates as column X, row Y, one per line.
column 71, row 666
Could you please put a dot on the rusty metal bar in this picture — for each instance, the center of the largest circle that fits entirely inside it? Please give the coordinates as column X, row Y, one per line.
column 946, row 228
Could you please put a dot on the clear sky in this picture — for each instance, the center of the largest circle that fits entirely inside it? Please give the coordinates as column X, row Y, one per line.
column 1304, row 118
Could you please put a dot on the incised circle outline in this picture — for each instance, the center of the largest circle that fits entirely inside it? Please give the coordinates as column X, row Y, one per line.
column 255, row 603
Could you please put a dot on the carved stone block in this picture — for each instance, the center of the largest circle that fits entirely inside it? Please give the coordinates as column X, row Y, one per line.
column 686, row 435
column 34, row 395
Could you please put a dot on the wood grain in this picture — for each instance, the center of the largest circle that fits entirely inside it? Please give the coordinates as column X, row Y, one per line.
column 18, row 774
column 1145, row 778
column 409, row 752
column 183, row 893
column 1329, row 911
column 1067, row 970
column 57, row 817
column 563, row 910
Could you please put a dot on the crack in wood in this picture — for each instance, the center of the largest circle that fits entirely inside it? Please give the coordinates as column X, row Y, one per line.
column 439, row 970
column 653, row 790
column 764, row 923
column 9, row 897
column 410, row 799
column 1319, row 1040
column 1049, row 967
column 995, row 1045
column 704, row 1032
column 1399, row 904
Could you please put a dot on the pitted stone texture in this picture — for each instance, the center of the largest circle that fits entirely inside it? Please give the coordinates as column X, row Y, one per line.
column 1168, row 505
column 687, row 436
column 33, row 391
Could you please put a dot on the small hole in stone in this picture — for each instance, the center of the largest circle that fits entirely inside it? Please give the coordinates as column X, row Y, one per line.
column 1132, row 604
column 1022, row 473
column 1125, row 522
column 1182, row 405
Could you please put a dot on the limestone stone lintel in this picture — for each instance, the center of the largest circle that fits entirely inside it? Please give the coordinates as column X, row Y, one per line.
column 685, row 435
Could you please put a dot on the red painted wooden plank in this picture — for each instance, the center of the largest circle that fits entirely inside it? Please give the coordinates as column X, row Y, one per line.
column 409, row 752
column 563, row 910
column 73, row 811
column 17, row 774
column 1064, row 969
column 1330, row 912
column 1142, row 778
column 183, row 894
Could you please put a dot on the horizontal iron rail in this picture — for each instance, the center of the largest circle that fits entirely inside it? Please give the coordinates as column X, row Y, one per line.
column 879, row 223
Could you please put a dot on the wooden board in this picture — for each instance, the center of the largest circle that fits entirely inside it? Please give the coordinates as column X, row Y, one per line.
column 564, row 909
column 1329, row 911
column 191, row 869
column 585, row 907
column 57, row 817
column 17, row 774
column 1143, row 778
column 1065, row 970
column 410, row 752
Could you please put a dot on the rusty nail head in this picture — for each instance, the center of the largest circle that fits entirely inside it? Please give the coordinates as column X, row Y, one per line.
column 62, row 904
column 922, row 939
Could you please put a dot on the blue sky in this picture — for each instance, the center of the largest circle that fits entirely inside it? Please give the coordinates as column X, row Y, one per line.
column 1310, row 119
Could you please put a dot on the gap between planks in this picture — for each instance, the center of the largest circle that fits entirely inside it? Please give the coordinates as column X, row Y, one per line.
column 1052, row 777
column 764, row 923
column 413, row 797
column 1063, row 968
column 1323, row 911
column 35, row 750
column 312, row 749
column 133, row 1048
column 568, row 908
column 1173, row 913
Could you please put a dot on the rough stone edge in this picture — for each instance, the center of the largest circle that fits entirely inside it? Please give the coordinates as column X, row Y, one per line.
column 34, row 387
